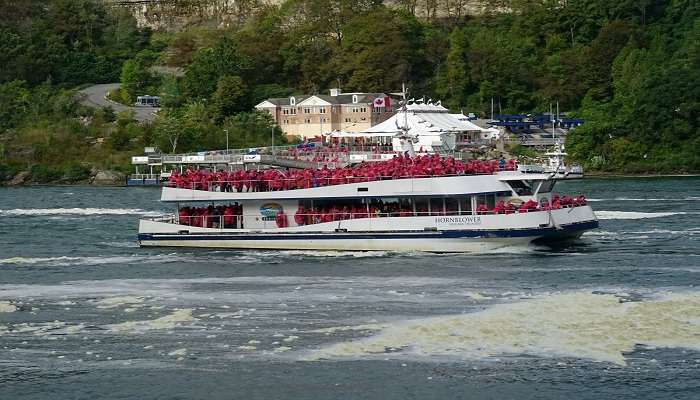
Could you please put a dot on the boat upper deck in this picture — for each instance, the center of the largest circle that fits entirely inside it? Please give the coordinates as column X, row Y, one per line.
column 275, row 180
column 400, row 176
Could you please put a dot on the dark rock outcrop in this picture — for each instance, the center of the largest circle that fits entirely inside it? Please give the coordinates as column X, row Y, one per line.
column 107, row 178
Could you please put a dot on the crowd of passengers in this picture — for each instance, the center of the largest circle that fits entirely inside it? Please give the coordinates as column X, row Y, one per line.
column 231, row 215
column 212, row 216
column 398, row 167
column 531, row 205
column 317, row 215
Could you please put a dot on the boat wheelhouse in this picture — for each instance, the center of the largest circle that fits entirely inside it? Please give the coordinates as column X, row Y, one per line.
column 445, row 212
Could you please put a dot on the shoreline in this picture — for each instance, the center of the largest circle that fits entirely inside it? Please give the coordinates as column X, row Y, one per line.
column 590, row 175
column 639, row 175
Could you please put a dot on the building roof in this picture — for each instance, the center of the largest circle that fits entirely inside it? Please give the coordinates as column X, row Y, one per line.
column 344, row 98
column 283, row 101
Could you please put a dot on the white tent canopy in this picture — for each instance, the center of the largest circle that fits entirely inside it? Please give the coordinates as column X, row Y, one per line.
column 420, row 119
column 431, row 126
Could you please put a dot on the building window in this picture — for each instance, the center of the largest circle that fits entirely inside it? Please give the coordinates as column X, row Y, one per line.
column 285, row 111
column 286, row 122
column 354, row 99
column 322, row 110
column 323, row 120
column 363, row 109
column 293, row 111
column 355, row 109
column 292, row 101
column 347, row 119
column 307, row 111
column 307, row 120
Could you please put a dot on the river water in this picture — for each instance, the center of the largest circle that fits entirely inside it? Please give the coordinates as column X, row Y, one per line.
column 86, row 314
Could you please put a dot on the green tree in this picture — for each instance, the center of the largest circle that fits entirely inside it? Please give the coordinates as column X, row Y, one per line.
column 254, row 129
column 15, row 101
column 229, row 98
column 379, row 50
column 210, row 64
column 453, row 82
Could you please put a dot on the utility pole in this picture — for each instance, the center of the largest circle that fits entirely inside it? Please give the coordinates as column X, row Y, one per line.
column 272, row 139
column 226, row 130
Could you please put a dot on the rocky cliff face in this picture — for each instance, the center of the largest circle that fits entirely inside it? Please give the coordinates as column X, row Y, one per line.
column 173, row 15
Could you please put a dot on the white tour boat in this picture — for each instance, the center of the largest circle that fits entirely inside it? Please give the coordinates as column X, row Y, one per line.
column 462, row 212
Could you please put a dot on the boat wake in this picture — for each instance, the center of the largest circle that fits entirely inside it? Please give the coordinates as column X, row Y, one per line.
column 66, row 261
column 605, row 215
column 689, row 198
column 77, row 211
column 599, row 327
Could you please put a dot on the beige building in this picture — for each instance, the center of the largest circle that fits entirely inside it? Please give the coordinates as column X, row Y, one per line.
column 314, row 115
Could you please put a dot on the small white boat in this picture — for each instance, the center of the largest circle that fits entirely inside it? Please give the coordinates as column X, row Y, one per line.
column 556, row 165
column 457, row 213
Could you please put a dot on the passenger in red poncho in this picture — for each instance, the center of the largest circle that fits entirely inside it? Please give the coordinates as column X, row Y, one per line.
column 301, row 217
column 184, row 216
column 500, row 208
column 228, row 217
column 281, row 219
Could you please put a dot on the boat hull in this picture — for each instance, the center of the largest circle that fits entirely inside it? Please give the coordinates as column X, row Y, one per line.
column 472, row 241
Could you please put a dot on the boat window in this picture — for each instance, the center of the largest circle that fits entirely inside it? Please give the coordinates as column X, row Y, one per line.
column 451, row 206
column 521, row 188
column 546, row 186
column 405, row 203
column 465, row 205
column 437, row 206
column 306, row 203
column 489, row 200
column 421, row 206
column 331, row 203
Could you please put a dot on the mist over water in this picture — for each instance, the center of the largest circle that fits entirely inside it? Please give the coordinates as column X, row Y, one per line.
column 614, row 315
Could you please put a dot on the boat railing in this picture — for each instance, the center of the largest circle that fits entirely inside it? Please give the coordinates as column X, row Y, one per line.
column 283, row 183
column 145, row 177
column 282, row 220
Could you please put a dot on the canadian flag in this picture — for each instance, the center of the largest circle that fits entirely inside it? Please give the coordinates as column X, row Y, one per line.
column 382, row 102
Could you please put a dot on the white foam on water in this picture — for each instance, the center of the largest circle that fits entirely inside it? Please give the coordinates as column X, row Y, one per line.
column 602, row 215
column 65, row 261
column 119, row 301
column 689, row 198
column 178, row 353
column 48, row 330
column 331, row 254
column 600, row 233
column 77, row 211
column 598, row 327
column 7, row 307
column 365, row 327
column 645, row 233
column 169, row 321
column 476, row 296
column 692, row 231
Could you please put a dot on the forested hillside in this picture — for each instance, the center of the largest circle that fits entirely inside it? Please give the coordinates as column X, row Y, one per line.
column 631, row 69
